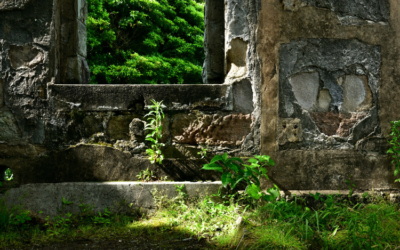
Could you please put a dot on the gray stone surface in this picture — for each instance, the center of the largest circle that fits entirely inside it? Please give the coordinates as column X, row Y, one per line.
column 324, row 100
column 136, row 128
column 118, row 197
column 305, row 88
column 350, row 12
column 349, row 73
column 126, row 97
column 12, row 4
column 241, row 22
column 214, row 38
column 236, row 59
column 9, row 130
column 24, row 56
column 1, row 93
column 356, row 94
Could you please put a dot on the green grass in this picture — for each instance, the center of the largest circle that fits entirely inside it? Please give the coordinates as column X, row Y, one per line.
column 331, row 224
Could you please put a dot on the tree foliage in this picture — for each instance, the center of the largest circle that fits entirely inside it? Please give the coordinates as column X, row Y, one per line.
column 145, row 41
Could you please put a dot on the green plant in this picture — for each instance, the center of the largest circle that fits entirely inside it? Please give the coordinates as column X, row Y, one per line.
column 9, row 174
column 103, row 219
column 146, row 175
column 154, row 126
column 145, row 42
column 234, row 171
column 203, row 151
column 350, row 185
column 395, row 147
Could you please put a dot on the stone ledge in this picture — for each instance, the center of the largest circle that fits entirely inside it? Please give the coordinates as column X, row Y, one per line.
column 66, row 97
column 115, row 196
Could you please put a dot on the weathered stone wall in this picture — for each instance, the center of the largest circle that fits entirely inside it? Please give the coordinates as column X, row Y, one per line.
column 311, row 83
column 329, row 79
column 55, row 127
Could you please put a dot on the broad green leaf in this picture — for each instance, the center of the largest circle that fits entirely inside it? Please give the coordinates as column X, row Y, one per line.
column 216, row 158
column 253, row 191
column 213, row 166
column 225, row 156
column 226, row 179
column 252, row 160
column 234, row 167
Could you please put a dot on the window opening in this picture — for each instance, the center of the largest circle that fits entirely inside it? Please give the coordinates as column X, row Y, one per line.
column 141, row 42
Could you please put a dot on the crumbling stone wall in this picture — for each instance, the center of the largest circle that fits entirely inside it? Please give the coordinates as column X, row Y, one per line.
column 55, row 127
column 310, row 82
column 329, row 75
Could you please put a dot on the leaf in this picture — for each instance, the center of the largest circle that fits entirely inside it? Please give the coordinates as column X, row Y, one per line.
column 257, row 181
column 216, row 158
column 254, row 191
column 237, row 182
column 213, row 166
column 226, row 179
column 252, row 160
column 225, row 156
column 234, row 167
column 151, row 139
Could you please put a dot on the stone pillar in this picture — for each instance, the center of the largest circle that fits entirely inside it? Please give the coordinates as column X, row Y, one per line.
column 72, row 41
column 214, row 39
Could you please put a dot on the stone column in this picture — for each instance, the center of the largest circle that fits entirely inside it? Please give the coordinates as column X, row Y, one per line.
column 214, row 39
column 72, row 42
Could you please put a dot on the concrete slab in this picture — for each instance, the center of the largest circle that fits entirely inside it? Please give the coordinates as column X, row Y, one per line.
column 120, row 197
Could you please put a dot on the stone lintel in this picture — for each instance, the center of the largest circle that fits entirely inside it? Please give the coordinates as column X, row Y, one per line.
column 68, row 97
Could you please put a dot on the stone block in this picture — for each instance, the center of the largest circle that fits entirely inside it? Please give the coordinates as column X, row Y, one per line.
column 289, row 130
column 357, row 95
column 305, row 88
column 73, row 39
column 229, row 130
column 81, row 9
column 24, row 56
column 9, row 130
column 13, row 4
column 236, row 59
column 324, row 100
column 120, row 197
column 76, row 71
column 243, row 96
column 119, row 127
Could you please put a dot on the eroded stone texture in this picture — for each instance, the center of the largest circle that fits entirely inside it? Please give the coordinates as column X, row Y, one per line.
column 331, row 123
column 1, row 93
column 236, row 60
column 9, row 130
column 290, row 130
column 24, row 56
column 349, row 12
column 12, row 4
column 230, row 130
column 356, row 94
column 136, row 129
column 324, row 100
column 305, row 87
column 331, row 86
column 118, row 127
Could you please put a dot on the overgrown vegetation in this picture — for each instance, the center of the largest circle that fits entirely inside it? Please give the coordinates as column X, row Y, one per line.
column 328, row 222
column 234, row 172
column 395, row 147
column 145, row 41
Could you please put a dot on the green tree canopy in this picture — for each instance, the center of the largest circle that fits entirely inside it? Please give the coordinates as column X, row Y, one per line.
column 145, row 41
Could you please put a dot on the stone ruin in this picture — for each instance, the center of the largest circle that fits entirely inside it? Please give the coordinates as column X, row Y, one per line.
column 313, row 83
